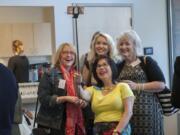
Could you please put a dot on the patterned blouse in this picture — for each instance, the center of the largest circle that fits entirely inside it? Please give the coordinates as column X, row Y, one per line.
column 147, row 116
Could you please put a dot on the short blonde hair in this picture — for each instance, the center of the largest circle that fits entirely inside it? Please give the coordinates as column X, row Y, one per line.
column 59, row 51
column 131, row 35
column 16, row 46
column 92, row 54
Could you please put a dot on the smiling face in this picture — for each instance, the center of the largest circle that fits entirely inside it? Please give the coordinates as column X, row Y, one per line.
column 103, row 70
column 101, row 46
column 67, row 57
column 126, row 48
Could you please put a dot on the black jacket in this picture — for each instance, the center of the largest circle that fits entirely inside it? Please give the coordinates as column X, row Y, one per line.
column 176, row 84
column 51, row 115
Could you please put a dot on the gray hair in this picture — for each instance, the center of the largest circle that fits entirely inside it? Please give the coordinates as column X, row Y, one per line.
column 134, row 37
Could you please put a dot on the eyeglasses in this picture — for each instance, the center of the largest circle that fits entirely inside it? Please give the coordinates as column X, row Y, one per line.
column 102, row 65
column 68, row 52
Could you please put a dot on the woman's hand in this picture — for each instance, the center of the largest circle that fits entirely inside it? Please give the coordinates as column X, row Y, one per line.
column 78, row 78
column 77, row 101
column 116, row 132
column 73, row 100
column 70, row 99
column 82, row 103
column 131, row 84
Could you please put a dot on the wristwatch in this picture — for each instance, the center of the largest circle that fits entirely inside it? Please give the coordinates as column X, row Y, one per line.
column 116, row 131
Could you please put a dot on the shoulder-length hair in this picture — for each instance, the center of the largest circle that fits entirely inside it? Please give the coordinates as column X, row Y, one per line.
column 92, row 54
column 59, row 52
column 112, row 65
column 131, row 35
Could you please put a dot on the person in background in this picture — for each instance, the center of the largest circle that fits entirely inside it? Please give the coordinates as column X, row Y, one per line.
column 145, row 78
column 112, row 103
column 8, row 98
column 60, row 109
column 101, row 44
column 19, row 65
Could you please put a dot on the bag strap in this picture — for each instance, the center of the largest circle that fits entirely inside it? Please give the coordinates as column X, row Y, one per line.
column 35, row 116
column 144, row 58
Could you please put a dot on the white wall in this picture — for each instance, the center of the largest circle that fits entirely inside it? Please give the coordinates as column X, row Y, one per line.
column 21, row 15
column 149, row 22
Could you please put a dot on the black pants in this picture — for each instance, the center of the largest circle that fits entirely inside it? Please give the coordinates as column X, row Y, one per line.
column 89, row 120
column 51, row 131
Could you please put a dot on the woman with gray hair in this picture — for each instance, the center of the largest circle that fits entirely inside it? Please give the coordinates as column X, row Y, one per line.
column 145, row 78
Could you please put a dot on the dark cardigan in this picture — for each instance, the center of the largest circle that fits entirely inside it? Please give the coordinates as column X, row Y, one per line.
column 149, row 66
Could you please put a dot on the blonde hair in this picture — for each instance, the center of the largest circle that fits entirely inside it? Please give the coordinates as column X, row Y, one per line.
column 131, row 35
column 16, row 46
column 59, row 51
column 110, row 42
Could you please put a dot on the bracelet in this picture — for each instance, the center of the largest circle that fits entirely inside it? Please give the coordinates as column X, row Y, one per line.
column 142, row 86
column 116, row 131
column 138, row 87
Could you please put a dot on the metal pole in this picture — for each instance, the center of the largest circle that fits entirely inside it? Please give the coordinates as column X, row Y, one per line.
column 75, row 16
column 77, row 44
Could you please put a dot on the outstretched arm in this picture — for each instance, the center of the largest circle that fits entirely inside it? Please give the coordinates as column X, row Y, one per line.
column 86, row 95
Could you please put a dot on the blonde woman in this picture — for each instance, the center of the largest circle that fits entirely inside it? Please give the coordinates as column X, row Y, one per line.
column 102, row 44
column 60, row 109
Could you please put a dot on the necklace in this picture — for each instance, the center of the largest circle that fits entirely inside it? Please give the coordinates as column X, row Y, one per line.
column 108, row 88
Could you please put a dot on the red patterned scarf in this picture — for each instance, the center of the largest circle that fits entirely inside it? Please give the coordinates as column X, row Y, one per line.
column 74, row 117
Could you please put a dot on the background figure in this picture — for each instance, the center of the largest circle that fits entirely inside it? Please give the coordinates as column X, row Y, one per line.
column 176, row 84
column 19, row 65
column 112, row 103
column 145, row 79
column 8, row 97
column 60, row 109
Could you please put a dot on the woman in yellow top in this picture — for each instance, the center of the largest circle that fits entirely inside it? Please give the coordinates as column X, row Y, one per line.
column 112, row 103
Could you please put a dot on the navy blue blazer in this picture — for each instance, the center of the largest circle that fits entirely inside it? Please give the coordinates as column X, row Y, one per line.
column 8, row 97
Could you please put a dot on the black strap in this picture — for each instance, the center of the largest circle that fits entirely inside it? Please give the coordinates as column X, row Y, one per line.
column 35, row 116
column 27, row 120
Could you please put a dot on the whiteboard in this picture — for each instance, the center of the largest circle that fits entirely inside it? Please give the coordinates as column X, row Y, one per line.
column 109, row 19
